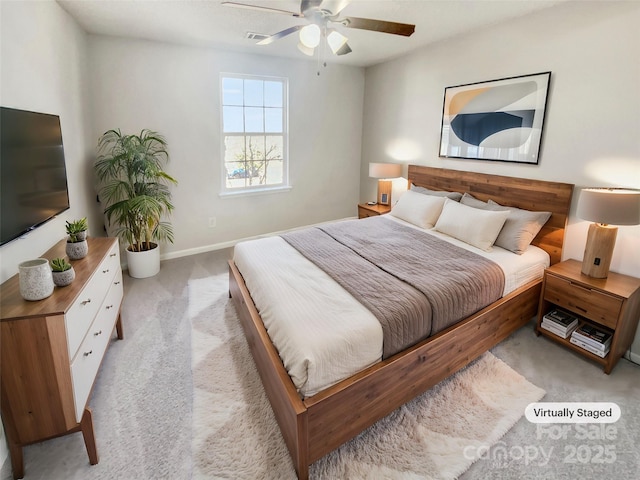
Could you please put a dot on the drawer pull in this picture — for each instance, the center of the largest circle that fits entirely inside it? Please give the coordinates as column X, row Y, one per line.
column 109, row 306
column 86, row 354
column 113, row 255
column 116, row 283
column 577, row 307
column 97, row 333
column 586, row 289
column 85, row 301
column 105, row 271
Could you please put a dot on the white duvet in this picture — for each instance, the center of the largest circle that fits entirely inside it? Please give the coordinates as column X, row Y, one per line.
column 322, row 333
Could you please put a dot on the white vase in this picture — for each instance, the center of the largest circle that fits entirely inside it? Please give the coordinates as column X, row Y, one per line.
column 36, row 281
column 144, row 264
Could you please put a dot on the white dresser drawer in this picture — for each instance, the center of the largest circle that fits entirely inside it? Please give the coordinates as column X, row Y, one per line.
column 84, row 309
column 84, row 366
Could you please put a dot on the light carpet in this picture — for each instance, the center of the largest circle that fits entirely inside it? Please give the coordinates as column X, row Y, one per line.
column 438, row 435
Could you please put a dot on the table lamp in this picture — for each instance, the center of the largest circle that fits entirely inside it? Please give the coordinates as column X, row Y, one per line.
column 607, row 207
column 384, row 172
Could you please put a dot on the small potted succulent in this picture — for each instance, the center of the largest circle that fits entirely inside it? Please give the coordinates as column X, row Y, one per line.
column 62, row 271
column 77, row 229
column 77, row 246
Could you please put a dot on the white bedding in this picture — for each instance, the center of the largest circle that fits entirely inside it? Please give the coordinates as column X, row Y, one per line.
column 324, row 335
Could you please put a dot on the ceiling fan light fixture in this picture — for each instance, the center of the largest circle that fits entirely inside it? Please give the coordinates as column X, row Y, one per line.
column 336, row 41
column 306, row 50
column 310, row 36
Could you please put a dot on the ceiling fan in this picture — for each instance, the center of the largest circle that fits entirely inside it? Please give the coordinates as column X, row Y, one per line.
column 322, row 15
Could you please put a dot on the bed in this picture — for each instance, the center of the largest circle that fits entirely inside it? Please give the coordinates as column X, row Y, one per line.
column 313, row 424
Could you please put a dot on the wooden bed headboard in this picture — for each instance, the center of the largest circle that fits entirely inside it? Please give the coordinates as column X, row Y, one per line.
column 528, row 194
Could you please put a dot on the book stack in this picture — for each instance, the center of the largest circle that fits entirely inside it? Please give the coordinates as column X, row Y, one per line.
column 592, row 340
column 559, row 322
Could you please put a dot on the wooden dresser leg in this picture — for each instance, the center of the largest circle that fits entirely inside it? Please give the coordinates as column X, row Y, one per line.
column 119, row 327
column 86, row 425
column 302, row 472
column 17, row 461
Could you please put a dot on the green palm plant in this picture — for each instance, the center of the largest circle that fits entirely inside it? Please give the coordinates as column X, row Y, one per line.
column 134, row 186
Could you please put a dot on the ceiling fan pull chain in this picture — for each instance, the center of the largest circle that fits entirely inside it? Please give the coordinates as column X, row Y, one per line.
column 322, row 50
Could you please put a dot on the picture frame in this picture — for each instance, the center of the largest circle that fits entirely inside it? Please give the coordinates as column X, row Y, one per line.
column 499, row 120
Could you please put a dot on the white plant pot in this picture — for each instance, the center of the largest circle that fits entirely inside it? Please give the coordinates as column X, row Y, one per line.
column 77, row 250
column 62, row 279
column 36, row 281
column 144, row 264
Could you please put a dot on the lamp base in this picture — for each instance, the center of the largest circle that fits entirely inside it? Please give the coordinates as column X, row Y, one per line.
column 384, row 192
column 599, row 250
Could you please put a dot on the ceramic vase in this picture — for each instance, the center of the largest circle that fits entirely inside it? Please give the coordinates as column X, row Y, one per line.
column 77, row 250
column 62, row 279
column 36, row 280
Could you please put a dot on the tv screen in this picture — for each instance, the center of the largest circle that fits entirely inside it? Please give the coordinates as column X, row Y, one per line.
column 33, row 176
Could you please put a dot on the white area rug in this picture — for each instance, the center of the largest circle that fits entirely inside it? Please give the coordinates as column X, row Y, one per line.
column 436, row 436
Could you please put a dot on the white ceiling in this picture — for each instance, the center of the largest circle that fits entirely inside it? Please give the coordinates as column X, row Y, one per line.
column 208, row 23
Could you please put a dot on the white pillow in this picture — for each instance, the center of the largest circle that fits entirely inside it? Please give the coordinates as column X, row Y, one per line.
column 476, row 227
column 418, row 209
column 521, row 226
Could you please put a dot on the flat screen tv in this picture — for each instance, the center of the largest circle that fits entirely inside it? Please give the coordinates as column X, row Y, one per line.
column 33, row 175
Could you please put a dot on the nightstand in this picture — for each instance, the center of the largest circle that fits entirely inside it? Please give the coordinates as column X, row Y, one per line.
column 610, row 304
column 365, row 210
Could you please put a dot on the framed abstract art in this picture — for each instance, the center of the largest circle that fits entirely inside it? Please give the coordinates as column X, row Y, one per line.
column 498, row 120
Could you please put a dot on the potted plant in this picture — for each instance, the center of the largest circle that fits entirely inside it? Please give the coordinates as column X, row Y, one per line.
column 77, row 229
column 62, row 271
column 77, row 246
column 135, row 189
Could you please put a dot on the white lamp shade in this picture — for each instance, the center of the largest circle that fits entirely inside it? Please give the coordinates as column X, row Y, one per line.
column 310, row 36
column 385, row 170
column 610, row 206
column 336, row 41
column 306, row 50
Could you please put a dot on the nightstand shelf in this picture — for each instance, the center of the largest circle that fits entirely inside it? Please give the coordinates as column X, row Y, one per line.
column 610, row 304
column 365, row 210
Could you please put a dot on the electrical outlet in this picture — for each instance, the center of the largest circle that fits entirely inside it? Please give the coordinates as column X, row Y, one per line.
column 212, row 222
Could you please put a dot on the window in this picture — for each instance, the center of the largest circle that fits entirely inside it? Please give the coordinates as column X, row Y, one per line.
column 254, row 132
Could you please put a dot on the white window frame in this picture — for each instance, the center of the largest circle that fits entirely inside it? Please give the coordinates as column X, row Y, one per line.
column 256, row 189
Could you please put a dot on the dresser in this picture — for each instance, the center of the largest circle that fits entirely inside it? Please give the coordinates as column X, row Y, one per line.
column 51, row 350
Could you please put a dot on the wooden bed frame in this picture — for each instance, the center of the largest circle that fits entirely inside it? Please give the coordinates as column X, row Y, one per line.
column 314, row 426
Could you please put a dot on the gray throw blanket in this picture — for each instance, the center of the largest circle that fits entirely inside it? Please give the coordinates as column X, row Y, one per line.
column 414, row 283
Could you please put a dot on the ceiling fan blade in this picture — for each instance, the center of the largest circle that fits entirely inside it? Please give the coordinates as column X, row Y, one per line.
column 383, row 26
column 279, row 35
column 261, row 9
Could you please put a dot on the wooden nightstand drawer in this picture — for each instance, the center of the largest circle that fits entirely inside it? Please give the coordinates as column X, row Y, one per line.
column 364, row 213
column 589, row 303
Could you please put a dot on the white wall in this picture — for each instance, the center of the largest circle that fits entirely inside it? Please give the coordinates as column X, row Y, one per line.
column 175, row 91
column 43, row 53
column 43, row 69
column 591, row 132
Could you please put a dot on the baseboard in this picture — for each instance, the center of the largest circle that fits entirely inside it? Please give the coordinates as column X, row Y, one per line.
column 632, row 357
column 219, row 246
